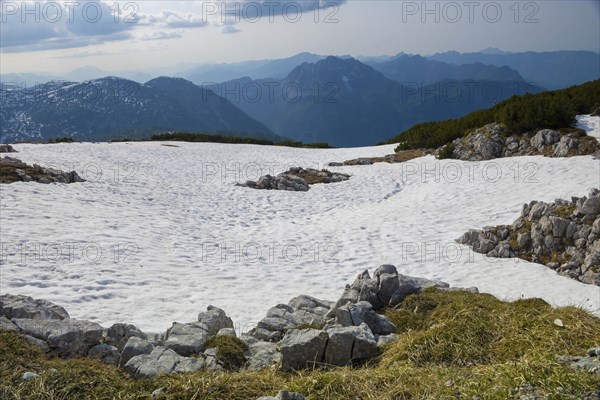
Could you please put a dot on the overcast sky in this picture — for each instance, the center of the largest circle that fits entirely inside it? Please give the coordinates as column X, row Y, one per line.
column 57, row 37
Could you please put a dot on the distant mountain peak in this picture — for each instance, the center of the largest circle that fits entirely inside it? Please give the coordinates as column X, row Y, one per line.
column 494, row 50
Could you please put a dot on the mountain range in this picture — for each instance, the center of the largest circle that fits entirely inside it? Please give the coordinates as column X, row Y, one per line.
column 551, row 70
column 347, row 103
column 307, row 97
column 416, row 69
column 112, row 107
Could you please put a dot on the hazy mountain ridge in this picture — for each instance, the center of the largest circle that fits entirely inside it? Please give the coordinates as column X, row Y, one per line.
column 416, row 69
column 347, row 103
column 106, row 108
column 552, row 70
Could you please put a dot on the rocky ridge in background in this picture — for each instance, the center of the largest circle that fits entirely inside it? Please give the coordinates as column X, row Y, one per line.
column 300, row 334
column 563, row 235
column 491, row 141
column 14, row 170
column 296, row 179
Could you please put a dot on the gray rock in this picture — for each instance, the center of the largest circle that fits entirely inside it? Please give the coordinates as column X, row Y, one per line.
column 594, row 352
column 537, row 210
column 543, row 138
column 564, row 146
column 365, row 346
column 302, row 348
column 38, row 343
column 227, row 332
column 588, row 364
column 591, row 206
column 262, row 355
column 214, row 319
column 388, row 282
column 135, row 346
column 284, row 395
column 482, row 144
column 160, row 361
column 211, row 362
column 340, row 344
column 29, row 375
column 352, row 292
column 524, row 240
column 384, row 340
column 348, row 344
column 105, row 353
column 379, row 324
column 42, row 175
column 304, row 302
column 266, row 335
column 568, row 242
column 118, row 334
column 17, row 306
column 7, row 325
column 158, row 393
column 65, row 338
column 7, row 148
column 188, row 339
column 190, row 364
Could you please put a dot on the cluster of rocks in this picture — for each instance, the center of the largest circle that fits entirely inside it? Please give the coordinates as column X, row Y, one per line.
column 491, row 142
column 284, row 395
column 359, row 161
column 563, row 235
column 591, row 363
column 296, row 179
column 7, row 148
column 303, row 333
column 14, row 170
column 398, row 157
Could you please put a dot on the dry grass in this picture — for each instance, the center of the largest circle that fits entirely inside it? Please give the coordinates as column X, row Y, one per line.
column 452, row 345
column 311, row 179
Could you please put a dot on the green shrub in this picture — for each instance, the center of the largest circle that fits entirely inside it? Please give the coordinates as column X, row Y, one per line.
column 230, row 351
column 552, row 110
column 447, row 152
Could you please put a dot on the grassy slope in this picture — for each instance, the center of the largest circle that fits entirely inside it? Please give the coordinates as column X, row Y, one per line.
column 453, row 345
column 520, row 114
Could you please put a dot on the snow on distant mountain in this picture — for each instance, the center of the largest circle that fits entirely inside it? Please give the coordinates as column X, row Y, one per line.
column 112, row 107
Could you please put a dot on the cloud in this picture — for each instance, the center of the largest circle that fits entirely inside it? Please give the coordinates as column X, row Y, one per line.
column 174, row 19
column 162, row 35
column 49, row 24
column 257, row 10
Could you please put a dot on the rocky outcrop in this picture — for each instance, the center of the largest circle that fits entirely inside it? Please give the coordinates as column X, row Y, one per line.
column 300, row 334
column 295, row 180
column 591, row 363
column 302, row 348
column 300, row 311
column 7, row 148
column 284, row 395
column 65, row 338
column 492, row 141
column 14, row 170
column 563, row 235
column 26, row 307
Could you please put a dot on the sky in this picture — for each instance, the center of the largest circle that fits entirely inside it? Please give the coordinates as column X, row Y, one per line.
column 59, row 36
